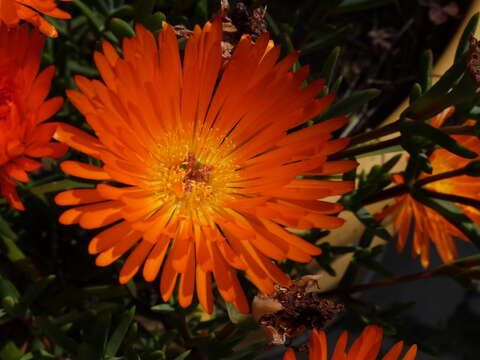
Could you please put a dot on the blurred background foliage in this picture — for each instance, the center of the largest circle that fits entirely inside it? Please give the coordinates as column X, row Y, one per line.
column 56, row 304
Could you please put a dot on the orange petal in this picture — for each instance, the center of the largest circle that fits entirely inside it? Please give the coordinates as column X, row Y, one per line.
column 85, row 171
column 109, row 256
column 134, row 261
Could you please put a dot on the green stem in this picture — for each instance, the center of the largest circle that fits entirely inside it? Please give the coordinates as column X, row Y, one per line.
column 459, row 130
column 365, row 149
column 386, row 194
column 375, row 134
column 438, row 177
column 465, row 262
column 453, row 198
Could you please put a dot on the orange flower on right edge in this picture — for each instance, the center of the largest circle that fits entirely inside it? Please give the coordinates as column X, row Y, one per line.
column 429, row 225
column 13, row 11
column 366, row 347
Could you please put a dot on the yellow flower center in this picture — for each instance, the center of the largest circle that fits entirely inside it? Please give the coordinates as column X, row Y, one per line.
column 195, row 173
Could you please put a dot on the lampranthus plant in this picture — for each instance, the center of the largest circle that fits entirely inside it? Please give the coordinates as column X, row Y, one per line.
column 12, row 12
column 366, row 347
column 24, row 135
column 429, row 225
column 199, row 171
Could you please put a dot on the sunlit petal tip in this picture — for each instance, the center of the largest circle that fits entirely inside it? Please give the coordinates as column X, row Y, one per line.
column 14, row 11
column 365, row 347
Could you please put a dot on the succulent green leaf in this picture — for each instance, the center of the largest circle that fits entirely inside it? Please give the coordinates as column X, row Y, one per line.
column 464, row 43
column 57, row 335
column 121, row 28
column 350, row 104
column 119, row 334
column 426, row 64
column 421, row 132
column 183, row 355
column 163, row 308
column 330, row 65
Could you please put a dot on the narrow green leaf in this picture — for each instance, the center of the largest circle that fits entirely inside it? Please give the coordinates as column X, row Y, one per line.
column 35, row 290
column 95, row 18
column 426, row 63
column 124, row 12
column 416, row 130
column 369, row 221
column 118, row 335
column 6, row 230
column 154, row 22
column 464, row 43
column 391, row 163
column 437, row 97
column 274, row 29
column 415, row 92
column 98, row 334
column 163, row 308
column 235, row 316
column 9, row 351
column 330, row 65
column 183, row 355
column 336, row 85
column 326, row 39
column 56, row 186
column 57, row 335
column 9, row 297
column 121, row 28
column 349, row 105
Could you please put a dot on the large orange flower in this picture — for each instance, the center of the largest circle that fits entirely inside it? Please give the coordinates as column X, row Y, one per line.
column 13, row 11
column 429, row 225
column 197, row 163
column 366, row 347
column 23, row 109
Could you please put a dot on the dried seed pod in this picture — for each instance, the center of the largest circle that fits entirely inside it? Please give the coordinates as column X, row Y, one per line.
column 292, row 310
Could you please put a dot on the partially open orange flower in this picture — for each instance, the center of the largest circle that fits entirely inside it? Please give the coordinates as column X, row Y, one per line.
column 198, row 172
column 23, row 109
column 366, row 347
column 429, row 225
column 13, row 11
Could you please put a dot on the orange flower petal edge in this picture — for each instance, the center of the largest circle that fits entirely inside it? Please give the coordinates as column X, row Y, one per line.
column 23, row 110
column 14, row 11
column 201, row 171
column 366, row 347
column 429, row 226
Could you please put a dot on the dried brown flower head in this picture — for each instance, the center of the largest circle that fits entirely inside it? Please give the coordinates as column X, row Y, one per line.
column 239, row 20
column 473, row 61
column 292, row 310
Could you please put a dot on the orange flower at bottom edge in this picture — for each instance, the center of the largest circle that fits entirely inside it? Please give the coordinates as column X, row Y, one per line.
column 23, row 109
column 429, row 226
column 366, row 347
column 13, row 11
column 199, row 173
